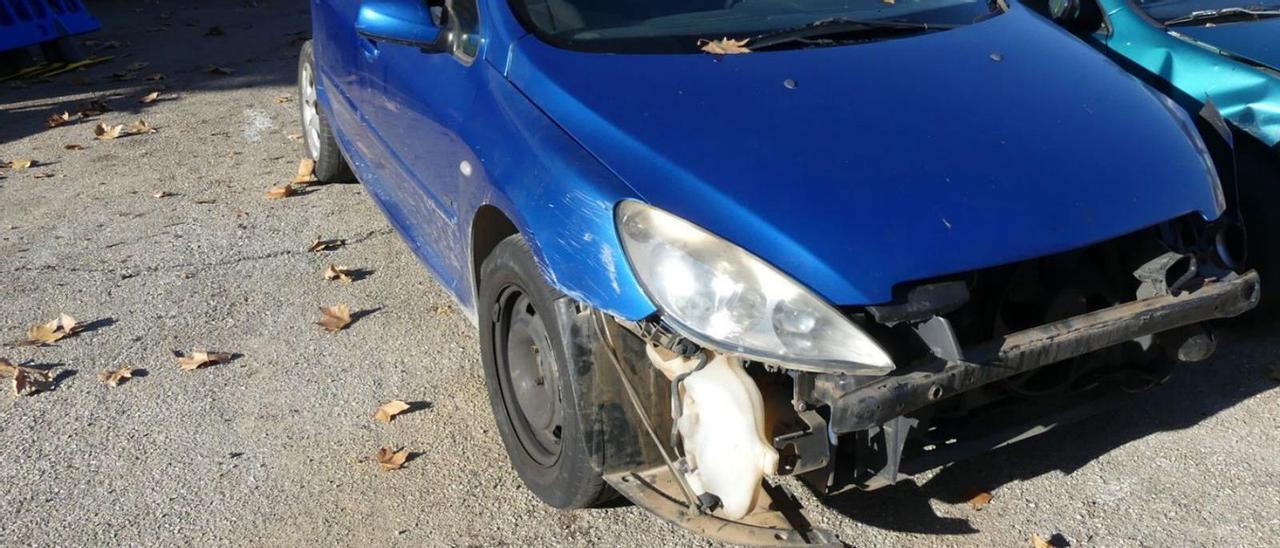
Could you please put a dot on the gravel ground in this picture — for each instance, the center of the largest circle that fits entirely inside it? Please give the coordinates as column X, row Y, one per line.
column 274, row 447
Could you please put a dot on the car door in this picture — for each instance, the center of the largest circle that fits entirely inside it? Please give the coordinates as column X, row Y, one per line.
column 419, row 104
column 338, row 53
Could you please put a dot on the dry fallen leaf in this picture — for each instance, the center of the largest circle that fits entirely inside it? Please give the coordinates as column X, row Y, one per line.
column 26, row 381
column 980, row 500
column 42, row 175
column 338, row 273
column 306, row 172
column 388, row 411
column 53, row 331
column 295, row 136
column 200, row 358
column 108, row 44
column 215, row 69
column 724, row 46
column 335, row 318
column 140, row 127
column 326, row 245
column 58, row 119
column 162, row 194
column 390, row 459
column 18, row 165
column 92, row 108
column 1037, row 542
column 7, row 369
column 105, row 132
column 73, row 146
column 282, row 99
column 113, row 377
column 150, row 97
column 68, row 323
column 278, row 192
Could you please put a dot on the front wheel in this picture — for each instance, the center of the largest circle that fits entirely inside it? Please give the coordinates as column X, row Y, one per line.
column 537, row 388
column 318, row 136
column 1259, row 184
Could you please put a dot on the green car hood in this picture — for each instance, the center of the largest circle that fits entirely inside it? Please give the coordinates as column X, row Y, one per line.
column 1247, row 94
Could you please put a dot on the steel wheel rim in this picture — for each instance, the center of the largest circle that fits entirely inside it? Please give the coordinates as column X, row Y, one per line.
column 310, row 112
column 529, row 377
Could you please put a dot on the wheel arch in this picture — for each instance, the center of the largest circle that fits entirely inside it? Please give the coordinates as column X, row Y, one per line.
column 489, row 227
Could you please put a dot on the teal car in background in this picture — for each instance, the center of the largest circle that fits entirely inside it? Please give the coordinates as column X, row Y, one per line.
column 1224, row 52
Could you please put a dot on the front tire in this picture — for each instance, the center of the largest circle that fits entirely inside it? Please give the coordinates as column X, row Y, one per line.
column 317, row 135
column 1259, row 184
column 543, row 413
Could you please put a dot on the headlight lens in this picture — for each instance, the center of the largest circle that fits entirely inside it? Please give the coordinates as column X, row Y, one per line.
column 720, row 295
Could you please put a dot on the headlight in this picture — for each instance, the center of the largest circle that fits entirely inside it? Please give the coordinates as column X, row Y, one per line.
column 719, row 295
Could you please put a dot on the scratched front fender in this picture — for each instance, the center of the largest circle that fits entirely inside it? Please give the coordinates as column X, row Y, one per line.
column 560, row 197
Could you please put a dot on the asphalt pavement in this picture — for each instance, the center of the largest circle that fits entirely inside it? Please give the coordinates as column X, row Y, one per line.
column 275, row 447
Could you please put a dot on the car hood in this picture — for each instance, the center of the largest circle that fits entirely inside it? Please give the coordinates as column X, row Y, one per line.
column 890, row 161
column 1254, row 40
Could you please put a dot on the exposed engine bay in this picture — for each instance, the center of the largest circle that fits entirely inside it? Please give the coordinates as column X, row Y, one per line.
column 983, row 359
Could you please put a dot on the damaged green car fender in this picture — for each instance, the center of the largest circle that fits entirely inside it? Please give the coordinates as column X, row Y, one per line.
column 1246, row 91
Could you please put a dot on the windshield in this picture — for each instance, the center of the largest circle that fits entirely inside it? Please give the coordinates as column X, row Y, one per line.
column 675, row 26
column 1165, row 10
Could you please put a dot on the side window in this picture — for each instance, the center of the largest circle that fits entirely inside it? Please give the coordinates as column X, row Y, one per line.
column 461, row 19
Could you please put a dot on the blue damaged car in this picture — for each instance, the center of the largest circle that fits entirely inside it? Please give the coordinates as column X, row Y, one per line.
column 710, row 243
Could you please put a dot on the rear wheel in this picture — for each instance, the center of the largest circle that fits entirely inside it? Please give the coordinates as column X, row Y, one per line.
column 317, row 135
column 535, row 381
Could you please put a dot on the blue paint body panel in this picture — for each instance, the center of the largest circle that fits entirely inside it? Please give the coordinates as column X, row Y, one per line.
column 891, row 162
column 407, row 120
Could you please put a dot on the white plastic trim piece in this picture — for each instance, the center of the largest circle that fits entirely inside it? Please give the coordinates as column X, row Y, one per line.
column 722, row 425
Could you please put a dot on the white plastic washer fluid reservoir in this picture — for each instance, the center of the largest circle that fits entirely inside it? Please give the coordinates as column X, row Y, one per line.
column 722, row 425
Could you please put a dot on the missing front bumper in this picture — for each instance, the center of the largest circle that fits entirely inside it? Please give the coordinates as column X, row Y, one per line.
column 778, row 523
column 877, row 403
column 878, row 408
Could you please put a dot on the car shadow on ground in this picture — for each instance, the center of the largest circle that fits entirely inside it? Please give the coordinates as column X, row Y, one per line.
column 1194, row 393
column 259, row 43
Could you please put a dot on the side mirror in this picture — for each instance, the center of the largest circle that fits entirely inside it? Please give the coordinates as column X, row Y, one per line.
column 1082, row 16
column 1064, row 11
column 405, row 22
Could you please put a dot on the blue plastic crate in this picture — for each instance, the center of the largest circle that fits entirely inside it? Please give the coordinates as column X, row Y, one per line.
column 29, row 22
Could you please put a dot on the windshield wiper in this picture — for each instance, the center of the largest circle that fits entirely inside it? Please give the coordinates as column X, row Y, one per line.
column 1223, row 14
column 821, row 31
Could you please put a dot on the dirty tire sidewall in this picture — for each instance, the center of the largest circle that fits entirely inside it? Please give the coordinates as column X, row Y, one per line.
column 574, row 480
column 1259, row 184
column 330, row 167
